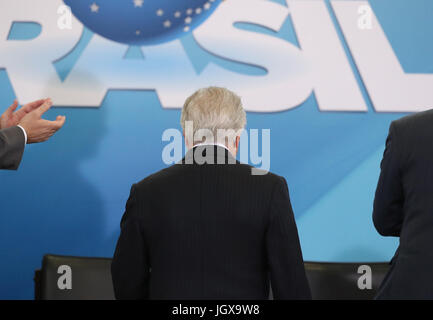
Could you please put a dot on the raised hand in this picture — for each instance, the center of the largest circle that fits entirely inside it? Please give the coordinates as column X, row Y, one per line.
column 38, row 129
column 11, row 117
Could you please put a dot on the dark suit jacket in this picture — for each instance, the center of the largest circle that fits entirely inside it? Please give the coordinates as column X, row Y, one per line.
column 403, row 206
column 209, row 231
column 12, row 143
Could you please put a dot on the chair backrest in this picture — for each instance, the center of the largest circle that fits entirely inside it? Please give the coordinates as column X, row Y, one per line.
column 348, row 281
column 86, row 278
column 74, row 278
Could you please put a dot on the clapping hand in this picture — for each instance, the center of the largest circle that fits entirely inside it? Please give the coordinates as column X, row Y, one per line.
column 29, row 117
column 38, row 129
column 11, row 117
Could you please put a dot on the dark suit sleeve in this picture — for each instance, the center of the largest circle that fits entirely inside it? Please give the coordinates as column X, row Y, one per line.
column 286, row 265
column 12, row 142
column 130, row 266
column 389, row 199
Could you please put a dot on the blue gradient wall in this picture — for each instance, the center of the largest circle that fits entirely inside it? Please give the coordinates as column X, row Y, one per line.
column 69, row 194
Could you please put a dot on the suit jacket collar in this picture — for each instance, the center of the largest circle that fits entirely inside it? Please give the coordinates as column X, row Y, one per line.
column 209, row 154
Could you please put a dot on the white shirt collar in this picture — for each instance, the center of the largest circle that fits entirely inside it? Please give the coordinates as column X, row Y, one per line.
column 211, row 144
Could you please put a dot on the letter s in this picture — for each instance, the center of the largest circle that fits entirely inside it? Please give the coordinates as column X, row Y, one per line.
column 287, row 82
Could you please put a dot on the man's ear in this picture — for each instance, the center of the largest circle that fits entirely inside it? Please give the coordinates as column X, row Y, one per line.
column 238, row 138
column 186, row 140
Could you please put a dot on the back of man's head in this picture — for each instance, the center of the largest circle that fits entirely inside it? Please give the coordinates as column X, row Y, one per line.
column 213, row 115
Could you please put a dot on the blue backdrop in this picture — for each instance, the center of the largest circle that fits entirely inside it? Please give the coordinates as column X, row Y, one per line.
column 69, row 193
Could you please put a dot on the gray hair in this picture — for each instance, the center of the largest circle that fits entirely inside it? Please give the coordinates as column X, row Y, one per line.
column 214, row 109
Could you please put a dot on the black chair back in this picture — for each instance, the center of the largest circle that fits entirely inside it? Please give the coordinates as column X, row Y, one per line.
column 74, row 278
column 86, row 278
column 347, row 281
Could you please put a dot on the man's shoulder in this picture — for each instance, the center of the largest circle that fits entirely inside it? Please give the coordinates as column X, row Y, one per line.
column 414, row 120
column 413, row 132
column 260, row 178
column 157, row 176
column 257, row 173
column 239, row 169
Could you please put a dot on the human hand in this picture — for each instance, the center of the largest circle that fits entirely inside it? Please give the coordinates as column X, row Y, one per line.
column 38, row 129
column 11, row 117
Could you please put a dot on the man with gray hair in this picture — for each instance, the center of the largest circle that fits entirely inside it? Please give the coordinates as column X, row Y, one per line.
column 207, row 227
column 213, row 116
